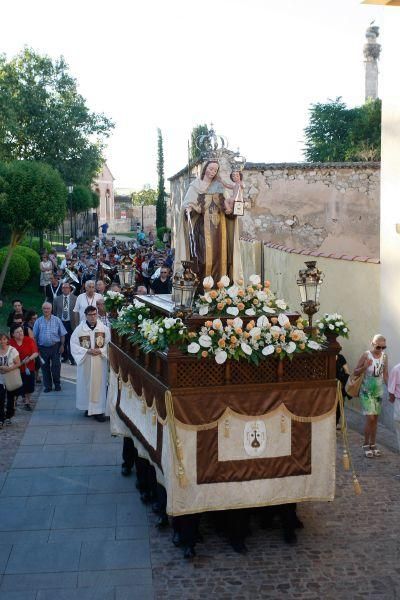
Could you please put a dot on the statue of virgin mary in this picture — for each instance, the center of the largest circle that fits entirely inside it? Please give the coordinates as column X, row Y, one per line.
column 208, row 232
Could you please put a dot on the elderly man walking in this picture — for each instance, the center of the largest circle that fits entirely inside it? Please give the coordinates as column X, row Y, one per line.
column 49, row 333
column 64, row 309
column 88, row 298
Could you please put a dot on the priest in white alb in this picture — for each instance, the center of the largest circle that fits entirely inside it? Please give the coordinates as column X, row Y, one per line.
column 89, row 347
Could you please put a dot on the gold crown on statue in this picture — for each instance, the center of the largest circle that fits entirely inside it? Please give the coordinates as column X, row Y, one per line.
column 211, row 144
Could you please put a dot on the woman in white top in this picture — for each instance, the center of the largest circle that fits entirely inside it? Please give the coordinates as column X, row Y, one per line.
column 9, row 361
column 46, row 271
column 374, row 365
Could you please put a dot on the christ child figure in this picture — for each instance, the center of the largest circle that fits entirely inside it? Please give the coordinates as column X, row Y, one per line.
column 234, row 204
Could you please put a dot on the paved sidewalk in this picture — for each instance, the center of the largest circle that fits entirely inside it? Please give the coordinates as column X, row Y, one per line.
column 71, row 527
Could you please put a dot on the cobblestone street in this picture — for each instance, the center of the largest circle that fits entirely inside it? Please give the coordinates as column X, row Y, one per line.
column 72, row 527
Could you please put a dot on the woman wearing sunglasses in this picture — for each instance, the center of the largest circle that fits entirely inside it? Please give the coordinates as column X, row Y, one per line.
column 374, row 365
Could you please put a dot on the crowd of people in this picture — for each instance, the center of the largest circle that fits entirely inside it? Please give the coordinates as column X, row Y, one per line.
column 74, row 306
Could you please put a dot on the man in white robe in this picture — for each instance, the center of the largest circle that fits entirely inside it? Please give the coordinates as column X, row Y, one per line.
column 89, row 347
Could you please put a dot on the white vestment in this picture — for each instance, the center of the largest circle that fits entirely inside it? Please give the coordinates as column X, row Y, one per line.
column 92, row 371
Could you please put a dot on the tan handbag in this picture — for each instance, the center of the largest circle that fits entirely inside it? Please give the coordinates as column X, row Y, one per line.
column 12, row 380
column 353, row 385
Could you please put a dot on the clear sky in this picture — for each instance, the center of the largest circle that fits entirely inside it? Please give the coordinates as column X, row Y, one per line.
column 252, row 67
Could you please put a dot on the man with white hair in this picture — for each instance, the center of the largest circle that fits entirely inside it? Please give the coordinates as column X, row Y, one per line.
column 49, row 333
column 88, row 298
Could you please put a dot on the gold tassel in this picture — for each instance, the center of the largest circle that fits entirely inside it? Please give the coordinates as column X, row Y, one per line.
column 227, row 428
column 119, row 383
column 144, row 406
column 182, row 477
column 346, row 461
column 357, row 486
column 154, row 417
column 283, row 424
column 179, row 450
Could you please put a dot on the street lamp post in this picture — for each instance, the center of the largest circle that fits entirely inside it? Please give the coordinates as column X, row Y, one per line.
column 142, row 213
column 70, row 192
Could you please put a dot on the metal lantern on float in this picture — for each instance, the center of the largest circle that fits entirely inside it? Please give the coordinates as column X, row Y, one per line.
column 184, row 287
column 309, row 282
column 127, row 272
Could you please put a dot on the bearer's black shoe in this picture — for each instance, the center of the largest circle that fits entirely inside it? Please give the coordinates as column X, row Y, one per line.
column 126, row 471
column 162, row 522
column 189, row 552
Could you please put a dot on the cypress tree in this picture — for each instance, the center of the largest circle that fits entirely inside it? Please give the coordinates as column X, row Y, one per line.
column 161, row 207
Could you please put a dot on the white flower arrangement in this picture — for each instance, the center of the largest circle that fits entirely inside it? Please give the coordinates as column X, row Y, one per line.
column 333, row 323
column 234, row 298
column 253, row 342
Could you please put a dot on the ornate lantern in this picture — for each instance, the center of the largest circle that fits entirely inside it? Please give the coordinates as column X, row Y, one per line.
column 127, row 273
column 309, row 282
column 184, row 287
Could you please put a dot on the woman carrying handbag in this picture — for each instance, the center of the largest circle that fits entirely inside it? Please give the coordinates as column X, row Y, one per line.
column 10, row 379
column 373, row 369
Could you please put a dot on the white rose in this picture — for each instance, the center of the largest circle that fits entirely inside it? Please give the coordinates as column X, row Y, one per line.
column 205, row 341
column 338, row 323
column 331, row 326
column 160, row 330
column 255, row 279
column 217, row 324
column 232, row 310
column 207, row 297
column 246, row 348
column 281, row 304
column 262, row 296
column 262, row 322
column 276, row 329
column 313, row 345
column 283, row 320
column 203, row 310
column 140, row 317
column 220, row 356
column 193, row 348
column 169, row 322
column 208, row 282
column 250, row 312
column 268, row 310
column 225, row 280
column 237, row 323
column 267, row 350
column 290, row 348
column 345, row 330
column 321, row 325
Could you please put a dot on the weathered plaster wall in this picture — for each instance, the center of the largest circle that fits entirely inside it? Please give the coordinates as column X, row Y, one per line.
column 332, row 207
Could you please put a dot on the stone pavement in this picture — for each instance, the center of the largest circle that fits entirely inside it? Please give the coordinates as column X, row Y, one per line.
column 72, row 527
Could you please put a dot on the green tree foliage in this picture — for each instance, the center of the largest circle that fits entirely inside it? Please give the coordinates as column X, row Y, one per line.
column 34, row 244
column 17, row 272
column 95, row 199
column 147, row 196
column 81, row 199
column 195, row 151
column 31, row 256
column 161, row 205
column 44, row 118
column 32, row 196
column 338, row 134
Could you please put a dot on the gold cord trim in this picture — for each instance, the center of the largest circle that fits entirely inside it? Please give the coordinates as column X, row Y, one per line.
column 347, row 460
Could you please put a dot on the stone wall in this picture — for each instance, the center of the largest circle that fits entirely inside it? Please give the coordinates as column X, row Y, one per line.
column 331, row 207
